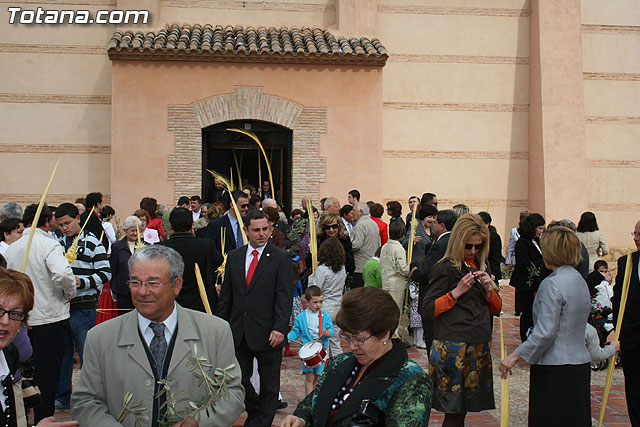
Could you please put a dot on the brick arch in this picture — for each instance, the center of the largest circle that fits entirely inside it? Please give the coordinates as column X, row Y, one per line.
column 309, row 169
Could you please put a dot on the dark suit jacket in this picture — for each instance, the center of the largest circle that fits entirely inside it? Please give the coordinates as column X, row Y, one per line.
column 118, row 261
column 214, row 230
column 94, row 226
column 265, row 304
column 11, row 356
column 495, row 252
column 630, row 329
column 434, row 254
column 527, row 256
column 202, row 251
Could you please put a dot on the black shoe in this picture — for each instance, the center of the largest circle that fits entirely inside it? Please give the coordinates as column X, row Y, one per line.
column 282, row 404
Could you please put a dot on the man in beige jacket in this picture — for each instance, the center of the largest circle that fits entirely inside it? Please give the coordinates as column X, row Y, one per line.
column 135, row 352
column 365, row 240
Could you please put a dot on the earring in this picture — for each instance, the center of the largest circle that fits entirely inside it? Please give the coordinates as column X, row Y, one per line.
column 384, row 343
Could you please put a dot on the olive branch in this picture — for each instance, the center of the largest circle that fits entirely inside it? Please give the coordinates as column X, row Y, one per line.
column 215, row 381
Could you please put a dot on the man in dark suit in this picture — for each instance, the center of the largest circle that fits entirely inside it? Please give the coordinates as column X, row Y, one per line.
column 94, row 206
column 445, row 221
column 230, row 224
column 630, row 329
column 256, row 300
column 495, row 247
column 193, row 250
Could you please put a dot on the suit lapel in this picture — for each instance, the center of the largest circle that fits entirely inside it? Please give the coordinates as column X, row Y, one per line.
column 264, row 262
column 184, row 340
column 130, row 338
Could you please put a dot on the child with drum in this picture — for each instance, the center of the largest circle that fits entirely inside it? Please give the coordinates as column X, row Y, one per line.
column 313, row 327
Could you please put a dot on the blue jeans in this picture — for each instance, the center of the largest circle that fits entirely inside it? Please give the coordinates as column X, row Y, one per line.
column 80, row 321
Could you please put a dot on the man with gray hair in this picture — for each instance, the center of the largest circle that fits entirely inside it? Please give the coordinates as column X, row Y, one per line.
column 331, row 204
column 365, row 239
column 150, row 349
column 10, row 210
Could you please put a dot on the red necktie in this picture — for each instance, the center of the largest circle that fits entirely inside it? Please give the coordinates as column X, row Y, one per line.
column 320, row 321
column 252, row 266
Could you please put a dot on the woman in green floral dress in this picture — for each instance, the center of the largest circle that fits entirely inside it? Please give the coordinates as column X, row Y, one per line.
column 377, row 369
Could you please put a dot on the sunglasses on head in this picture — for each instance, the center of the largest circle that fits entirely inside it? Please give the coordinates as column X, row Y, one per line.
column 469, row 246
column 331, row 227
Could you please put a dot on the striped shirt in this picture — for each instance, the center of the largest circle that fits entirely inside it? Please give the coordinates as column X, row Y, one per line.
column 91, row 265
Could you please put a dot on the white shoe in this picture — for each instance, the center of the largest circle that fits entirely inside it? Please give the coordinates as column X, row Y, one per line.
column 421, row 345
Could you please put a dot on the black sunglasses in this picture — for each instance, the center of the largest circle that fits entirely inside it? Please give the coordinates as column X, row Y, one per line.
column 469, row 246
column 245, row 205
column 332, row 226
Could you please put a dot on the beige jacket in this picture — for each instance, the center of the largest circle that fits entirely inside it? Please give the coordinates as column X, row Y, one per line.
column 115, row 362
column 49, row 270
column 595, row 244
column 394, row 267
column 365, row 240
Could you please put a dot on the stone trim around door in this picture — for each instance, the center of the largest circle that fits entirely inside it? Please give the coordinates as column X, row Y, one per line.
column 309, row 169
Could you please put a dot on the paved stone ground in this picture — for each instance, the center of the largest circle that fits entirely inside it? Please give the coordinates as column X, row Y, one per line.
column 292, row 383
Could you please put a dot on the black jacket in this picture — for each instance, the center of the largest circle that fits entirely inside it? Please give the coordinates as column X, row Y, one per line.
column 214, row 231
column 254, row 310
column 495, row 252
column 203, row 252
column 630, row 330
column 434, row 254
column 118, row 261
column 94, row 226
column 8, row 417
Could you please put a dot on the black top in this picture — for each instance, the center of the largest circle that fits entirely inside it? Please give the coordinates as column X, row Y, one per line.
column 8, row 416
column 203, row 252
column 630, row 330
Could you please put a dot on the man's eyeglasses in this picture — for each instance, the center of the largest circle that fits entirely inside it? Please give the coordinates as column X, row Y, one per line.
column 244, row 205
column 137, row 284
column 355, row 340
column 61, row 225
column 18, row 316
column 469, row 246
column 331, row 227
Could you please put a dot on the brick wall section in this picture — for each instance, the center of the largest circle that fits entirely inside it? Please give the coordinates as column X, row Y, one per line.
column 187, row 122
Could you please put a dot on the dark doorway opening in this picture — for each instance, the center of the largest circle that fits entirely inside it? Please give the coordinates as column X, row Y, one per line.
column 220, row 145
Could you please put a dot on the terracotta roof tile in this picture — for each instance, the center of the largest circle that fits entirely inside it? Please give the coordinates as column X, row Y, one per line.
column 217, row 43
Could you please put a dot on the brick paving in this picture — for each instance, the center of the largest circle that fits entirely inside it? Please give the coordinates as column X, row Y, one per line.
column 292, row 383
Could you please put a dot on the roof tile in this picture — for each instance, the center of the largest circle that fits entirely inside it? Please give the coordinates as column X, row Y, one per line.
column 218, row 43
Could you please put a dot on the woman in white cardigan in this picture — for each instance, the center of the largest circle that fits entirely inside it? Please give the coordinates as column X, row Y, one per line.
column 591, row 237
column 394, row 267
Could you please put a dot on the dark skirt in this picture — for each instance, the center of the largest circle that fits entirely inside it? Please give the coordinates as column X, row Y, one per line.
column 462, row 377
column 559, row 395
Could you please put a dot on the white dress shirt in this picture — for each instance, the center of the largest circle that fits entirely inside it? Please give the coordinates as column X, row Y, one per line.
column 170, row 324
column 249, row 257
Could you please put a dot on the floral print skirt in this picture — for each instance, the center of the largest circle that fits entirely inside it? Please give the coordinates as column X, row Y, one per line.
column 462, row 376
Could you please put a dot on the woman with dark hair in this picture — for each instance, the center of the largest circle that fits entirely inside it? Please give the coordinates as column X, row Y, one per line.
column 526, row 274
column 377, row 372
column 277, row 237
column 10, row 230
column 461, row 298
column 591, row 237
column 331, row 226
column 106, row 215
column 16, row 301
column 330, row 277
column 394, row 210
column 560, row 373
column 150, row 205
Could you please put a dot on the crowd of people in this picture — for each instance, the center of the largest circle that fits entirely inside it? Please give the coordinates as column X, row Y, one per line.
column 158, row 275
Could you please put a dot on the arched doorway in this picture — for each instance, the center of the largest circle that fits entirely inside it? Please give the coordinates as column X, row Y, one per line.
column 224, row 151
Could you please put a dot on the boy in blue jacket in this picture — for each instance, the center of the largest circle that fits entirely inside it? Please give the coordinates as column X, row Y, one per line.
column 308, row 327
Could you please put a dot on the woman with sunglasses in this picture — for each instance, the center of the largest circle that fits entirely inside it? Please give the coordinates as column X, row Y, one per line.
column 376, row 369
column 330, row 225
column 16, row 300
column 461, row 298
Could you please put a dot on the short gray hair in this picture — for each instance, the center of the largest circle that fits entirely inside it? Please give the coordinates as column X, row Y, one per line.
column 330, row 201
column 162, row 209
column 11, row 210
column 364, row 208
column 267, row 202
column 131, row 221
column 148, row 253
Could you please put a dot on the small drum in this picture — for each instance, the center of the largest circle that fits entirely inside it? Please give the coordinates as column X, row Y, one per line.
column 312, row 354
